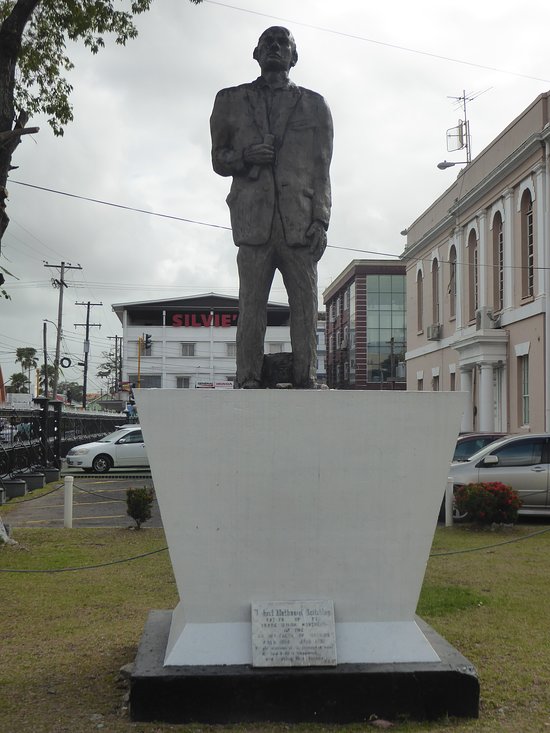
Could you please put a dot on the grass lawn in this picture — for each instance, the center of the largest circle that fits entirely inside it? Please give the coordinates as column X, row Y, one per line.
column 64, row 636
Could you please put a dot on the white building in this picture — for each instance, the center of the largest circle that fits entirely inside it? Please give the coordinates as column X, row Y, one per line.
column 189, row 342
column 478, row 282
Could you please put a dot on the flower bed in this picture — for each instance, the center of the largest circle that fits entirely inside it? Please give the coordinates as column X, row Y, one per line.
column 488, row 503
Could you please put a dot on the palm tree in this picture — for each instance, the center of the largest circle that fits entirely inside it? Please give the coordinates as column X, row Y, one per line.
column 26, row 355
column 18, row 383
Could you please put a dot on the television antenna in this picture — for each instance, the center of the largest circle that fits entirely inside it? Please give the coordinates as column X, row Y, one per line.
column 458, row 137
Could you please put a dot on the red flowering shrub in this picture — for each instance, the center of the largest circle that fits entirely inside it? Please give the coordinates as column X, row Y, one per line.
column 488, row 502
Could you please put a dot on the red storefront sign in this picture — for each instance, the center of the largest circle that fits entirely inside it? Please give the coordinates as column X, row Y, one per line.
column 204, row 320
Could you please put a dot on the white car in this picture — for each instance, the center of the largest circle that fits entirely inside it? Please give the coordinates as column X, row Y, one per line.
column 122, row 449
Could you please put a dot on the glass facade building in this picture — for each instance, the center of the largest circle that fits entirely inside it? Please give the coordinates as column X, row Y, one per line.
column 366, row 337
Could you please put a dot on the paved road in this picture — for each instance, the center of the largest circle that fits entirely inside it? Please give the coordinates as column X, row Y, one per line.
column 98, row 501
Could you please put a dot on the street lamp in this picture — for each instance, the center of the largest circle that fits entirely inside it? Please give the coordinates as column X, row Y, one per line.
column 448, row 164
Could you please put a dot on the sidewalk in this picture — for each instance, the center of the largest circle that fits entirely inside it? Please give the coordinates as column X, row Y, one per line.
column 97, row 502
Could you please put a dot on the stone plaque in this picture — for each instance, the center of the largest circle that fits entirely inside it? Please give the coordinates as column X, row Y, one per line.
column 293, row 634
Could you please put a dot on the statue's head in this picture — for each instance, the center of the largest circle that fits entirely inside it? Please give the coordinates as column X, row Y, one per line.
column 276, row 50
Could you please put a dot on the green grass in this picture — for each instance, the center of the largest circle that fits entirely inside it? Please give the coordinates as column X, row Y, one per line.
column 64, row 636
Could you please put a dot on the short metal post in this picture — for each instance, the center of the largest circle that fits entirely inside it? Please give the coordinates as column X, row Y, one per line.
column 68, row 507
column 449, row 503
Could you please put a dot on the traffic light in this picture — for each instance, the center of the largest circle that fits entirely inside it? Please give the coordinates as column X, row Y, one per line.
column 147, row 341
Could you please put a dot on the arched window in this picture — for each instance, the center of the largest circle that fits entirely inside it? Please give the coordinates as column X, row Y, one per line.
column 419, row 301
column 527, row 246
column 473, row 276
column 498, row 262
column 435, row 291
column 452, row 282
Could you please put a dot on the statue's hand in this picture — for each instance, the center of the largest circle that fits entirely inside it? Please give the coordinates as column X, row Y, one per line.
column 317, row 238
column 259, row 154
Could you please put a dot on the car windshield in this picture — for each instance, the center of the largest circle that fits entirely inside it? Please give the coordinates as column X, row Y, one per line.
column 486, row 449
column 113, row 437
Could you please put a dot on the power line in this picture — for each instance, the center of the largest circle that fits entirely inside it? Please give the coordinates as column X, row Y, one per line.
column 122, row 206
column 394, row 46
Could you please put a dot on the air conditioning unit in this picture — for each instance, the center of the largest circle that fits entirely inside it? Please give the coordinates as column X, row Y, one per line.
column 485, row 319
column 434, row 332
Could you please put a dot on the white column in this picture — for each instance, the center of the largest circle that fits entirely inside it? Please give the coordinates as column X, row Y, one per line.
column 68, row 502
column 486, row 412
column 539, row 229
column 483, row 270
column 546, row 263
column 163, row 375
column 466, row 386
column 508, row 226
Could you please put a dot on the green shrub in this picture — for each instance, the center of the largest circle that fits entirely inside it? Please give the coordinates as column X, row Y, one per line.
column 488, row 502
column 139, row 503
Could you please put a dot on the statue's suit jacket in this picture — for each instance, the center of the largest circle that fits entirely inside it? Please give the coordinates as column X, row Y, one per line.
column 298, row 182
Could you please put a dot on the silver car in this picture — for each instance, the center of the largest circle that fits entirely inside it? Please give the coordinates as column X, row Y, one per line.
column 520, row 461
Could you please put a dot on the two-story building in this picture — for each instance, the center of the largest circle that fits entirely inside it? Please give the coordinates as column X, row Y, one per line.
column 191, row 342
column 478, row 282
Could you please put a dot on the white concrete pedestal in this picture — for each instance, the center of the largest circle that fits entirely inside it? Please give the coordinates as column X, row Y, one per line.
column 280, row 495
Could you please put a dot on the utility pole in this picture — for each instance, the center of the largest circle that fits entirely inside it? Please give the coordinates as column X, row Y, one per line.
column 87, row 325
column 60, row 283
column 118, row 361
column 45, row 343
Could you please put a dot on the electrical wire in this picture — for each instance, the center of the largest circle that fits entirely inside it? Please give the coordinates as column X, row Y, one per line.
column 394, row 46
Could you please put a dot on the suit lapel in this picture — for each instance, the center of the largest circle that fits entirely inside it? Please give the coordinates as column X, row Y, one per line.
column 256, row 100
column 282, row 110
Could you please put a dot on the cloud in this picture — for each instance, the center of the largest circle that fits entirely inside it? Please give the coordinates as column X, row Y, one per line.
column 141, row 138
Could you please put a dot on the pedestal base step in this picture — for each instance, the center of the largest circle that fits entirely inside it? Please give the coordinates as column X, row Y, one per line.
column 342, row 694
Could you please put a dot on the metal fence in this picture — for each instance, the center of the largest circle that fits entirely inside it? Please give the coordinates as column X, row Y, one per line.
column 42, row 436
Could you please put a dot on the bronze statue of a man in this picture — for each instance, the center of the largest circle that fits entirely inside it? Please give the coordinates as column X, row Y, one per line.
column 275, row 139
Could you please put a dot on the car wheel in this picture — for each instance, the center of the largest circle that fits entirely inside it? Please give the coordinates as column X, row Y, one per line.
column 101, row 464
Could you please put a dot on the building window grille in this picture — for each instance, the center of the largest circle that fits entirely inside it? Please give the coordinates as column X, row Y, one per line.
column 452, row 283
column 473, row 276
column 524, row 388
column 527, row 246
column 419, row 301
column 435, row 291
column 188, row 349
column 183, row 382
column 146, row 381
column 498, row 262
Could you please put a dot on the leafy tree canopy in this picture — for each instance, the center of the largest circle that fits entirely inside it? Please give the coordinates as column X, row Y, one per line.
column 26, row 355
column 40, row 84
column 18, row 383
column 34, row 61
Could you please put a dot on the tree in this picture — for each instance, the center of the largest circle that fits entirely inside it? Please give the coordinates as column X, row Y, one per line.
column 51, row 376
column 26, row 356
column 33, row 61
column 18, row 383
column 73, row 389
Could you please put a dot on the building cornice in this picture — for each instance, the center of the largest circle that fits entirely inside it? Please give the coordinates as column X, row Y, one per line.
column 469, row 200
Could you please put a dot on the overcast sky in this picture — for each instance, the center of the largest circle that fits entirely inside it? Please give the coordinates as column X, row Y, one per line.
column 141, row 139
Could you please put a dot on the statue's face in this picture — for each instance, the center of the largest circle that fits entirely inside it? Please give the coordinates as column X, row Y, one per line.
column 276, row 50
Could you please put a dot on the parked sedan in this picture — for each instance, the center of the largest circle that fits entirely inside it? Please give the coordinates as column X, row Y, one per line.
column 122, row 449
column 520, row 461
